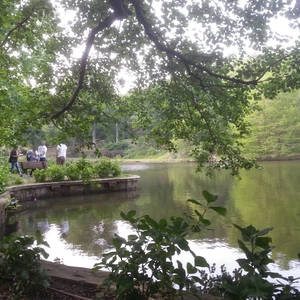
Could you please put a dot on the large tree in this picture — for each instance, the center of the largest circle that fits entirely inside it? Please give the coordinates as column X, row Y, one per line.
column 195, row 65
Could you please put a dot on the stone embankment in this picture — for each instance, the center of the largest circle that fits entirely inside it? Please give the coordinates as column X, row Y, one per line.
column 63, row 188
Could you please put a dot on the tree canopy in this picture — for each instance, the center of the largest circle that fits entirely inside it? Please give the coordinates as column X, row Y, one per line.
column 195, row 65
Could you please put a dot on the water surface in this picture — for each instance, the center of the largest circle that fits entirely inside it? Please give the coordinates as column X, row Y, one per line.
column 79, row 229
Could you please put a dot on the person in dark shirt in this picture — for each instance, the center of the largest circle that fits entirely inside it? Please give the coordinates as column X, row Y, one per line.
column 13, row 159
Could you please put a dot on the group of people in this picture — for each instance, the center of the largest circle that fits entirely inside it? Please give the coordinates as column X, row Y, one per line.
column 39, row 155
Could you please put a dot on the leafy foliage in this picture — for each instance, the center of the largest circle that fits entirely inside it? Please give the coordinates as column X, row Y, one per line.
column 55, row 173
column 82, row 170
column 12, row 204
column 85, row 170
column 275, row 128
column 21, row 261
column 40, row 175
column 4, row 174
column 142, row 265
column 107, row 168
column 116, row 146
column 254, row 282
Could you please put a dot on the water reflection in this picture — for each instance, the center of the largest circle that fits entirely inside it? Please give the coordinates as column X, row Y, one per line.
column 80, row 229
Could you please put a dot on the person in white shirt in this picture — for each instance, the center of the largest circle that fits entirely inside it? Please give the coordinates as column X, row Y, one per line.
column 42, row 150
column 61, row 154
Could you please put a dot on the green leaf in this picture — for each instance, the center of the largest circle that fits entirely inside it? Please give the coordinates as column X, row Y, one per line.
column 205, row 222
column 238, row 227
column 123, row 216
column 131, row 214
column 198, row 213
column 201, row 262
column 245, row 264
column 243, row 246
column 44, row 253
column 191, row 269
column 194, row 201
column 162, row 223
column 264, row 231
column 263, row 242
column 183, row 244
column 220, row 210
column 151, row 222
column 118, row 241
column 180, row 266
column 209, row 197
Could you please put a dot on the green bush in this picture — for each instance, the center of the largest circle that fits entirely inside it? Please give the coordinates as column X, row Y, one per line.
column 17, row 181
column 55, row 173
column 4, row 173
column 142, row 265
column 116, row 146
column 85, row 170
column 21, row 261
column 82, row 170
column 72, row 172
column 40, row 175
column 107, row 168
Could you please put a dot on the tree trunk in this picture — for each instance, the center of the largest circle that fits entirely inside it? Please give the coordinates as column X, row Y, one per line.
column 94, row 134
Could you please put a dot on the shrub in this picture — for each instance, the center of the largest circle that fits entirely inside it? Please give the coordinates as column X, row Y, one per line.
column 4, row 174
column 12, row 204
column 40, row 175
column 55, row 173
column 18, row 180
column 107, row 168
column 85, row 170
column 21, row 261
column 142, row 265
column 72, row 172
column 116, row 146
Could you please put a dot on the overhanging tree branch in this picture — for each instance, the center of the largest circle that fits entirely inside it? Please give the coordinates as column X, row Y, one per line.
column 194, row 69
column 19, row 25
column 89, row 43
column 140, row 14
column 278, row 61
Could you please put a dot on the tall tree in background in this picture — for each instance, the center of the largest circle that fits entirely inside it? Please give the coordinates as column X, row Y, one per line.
column 177, row 52
column 275, row 128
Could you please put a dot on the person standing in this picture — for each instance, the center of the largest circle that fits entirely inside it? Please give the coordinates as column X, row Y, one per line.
column 61, row 154
column 42, row 150
column 13, row 159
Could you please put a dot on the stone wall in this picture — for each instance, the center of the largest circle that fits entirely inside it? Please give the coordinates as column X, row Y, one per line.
column 3, row 203
column 64, row 188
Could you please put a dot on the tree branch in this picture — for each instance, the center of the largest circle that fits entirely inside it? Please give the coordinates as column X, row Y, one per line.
column 140, row 14
column 274, row 64
column 19, row 25
column 89, row 43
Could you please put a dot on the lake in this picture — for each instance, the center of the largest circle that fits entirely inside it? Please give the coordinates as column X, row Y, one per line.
column 79, row 229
